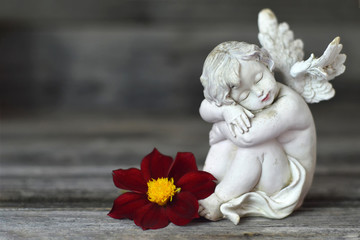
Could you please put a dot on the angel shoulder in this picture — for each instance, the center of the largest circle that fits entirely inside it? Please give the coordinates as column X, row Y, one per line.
column 294, row 108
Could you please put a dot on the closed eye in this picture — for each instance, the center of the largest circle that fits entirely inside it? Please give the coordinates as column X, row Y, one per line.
column 244, row 95
column 258, row 77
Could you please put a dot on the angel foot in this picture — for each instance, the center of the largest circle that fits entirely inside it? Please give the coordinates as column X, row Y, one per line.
column 210, row 208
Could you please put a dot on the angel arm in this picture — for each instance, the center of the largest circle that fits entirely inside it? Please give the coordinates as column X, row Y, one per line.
column 289, row 112
column 236, row 117
column 210, row 112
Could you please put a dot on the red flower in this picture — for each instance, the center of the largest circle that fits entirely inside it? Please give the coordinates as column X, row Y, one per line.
column 163, row 191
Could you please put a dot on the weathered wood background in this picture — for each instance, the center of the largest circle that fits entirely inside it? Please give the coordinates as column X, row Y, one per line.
column 87, row 87
column 117, row 55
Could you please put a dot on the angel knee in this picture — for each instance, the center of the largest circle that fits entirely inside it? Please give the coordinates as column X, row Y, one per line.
column 242, row 176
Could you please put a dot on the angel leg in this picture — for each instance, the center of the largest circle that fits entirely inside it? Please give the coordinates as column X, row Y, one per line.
column 267, row 158
column 241, row 176
column 218, row 160
column 228, row 163
column 264, row 166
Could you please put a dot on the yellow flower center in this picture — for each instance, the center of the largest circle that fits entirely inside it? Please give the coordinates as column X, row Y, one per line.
column 161, row 190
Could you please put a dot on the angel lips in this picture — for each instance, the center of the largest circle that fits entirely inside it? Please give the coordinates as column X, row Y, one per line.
column 162, row 191
column 267, row 97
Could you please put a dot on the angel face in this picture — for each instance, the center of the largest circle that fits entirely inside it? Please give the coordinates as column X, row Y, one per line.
column 257, row 88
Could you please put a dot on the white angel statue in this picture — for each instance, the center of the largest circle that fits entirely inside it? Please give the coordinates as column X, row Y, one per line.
column 263, row 139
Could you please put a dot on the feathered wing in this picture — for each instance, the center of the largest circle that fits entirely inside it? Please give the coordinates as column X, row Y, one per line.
column 309, row 78
column 317, row 72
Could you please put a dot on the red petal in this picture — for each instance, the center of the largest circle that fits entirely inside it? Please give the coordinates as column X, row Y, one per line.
column 201, row 184
column 183, row 209
column 155, row 165
column 126, row 205
column 184, row 163
column 130, row 179
column 151, row 216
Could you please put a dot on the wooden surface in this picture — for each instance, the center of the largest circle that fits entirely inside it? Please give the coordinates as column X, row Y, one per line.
column 55, row 177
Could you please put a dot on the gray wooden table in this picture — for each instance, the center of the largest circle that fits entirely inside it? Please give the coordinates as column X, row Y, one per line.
column 55, row 177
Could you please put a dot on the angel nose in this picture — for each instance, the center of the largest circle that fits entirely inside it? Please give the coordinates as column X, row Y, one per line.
column 259, row 92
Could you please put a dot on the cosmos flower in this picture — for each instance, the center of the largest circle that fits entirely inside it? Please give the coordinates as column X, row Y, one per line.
column 162, row 191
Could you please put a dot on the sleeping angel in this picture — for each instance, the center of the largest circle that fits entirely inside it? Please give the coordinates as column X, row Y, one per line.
column 263, row 138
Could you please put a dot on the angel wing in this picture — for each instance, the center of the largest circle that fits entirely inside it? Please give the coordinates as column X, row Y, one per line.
column 309, row 78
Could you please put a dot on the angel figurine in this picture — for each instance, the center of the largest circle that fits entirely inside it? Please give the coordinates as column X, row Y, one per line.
column 263, row 139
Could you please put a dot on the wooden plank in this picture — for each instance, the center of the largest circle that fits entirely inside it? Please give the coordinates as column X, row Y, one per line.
column 34, row 186
column 98, row 68
column 162, row 11
column 307, row 223
column 82, row 140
